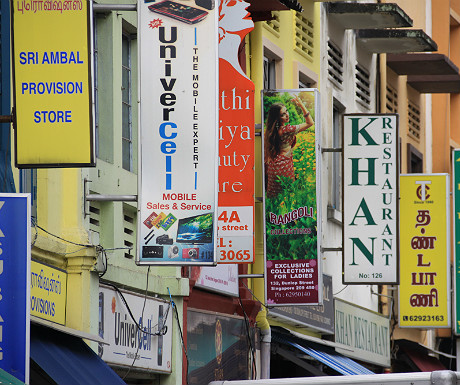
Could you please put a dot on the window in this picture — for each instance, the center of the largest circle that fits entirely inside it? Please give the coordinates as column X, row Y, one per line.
column 392, row 100
column 304, row 36
column 28, row 184
column 269, row 74
column 126, row 93
column 414, row 160
column 413, row 120
column 129, row 230
column 363, row 90
column 335, row 64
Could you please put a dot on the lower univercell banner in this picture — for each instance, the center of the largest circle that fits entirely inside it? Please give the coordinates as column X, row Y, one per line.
column 292, row 270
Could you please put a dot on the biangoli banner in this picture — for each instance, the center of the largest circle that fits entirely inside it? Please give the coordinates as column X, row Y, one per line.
column 178, row 138
column 292, row 217
column 424, row 290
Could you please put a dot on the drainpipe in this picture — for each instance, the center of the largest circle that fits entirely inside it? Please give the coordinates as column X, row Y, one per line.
column 265, row 331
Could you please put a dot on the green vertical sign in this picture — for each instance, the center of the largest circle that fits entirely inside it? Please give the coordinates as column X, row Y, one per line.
column 456, row 184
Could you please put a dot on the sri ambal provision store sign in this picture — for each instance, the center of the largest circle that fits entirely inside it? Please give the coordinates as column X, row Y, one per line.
column 362, row 334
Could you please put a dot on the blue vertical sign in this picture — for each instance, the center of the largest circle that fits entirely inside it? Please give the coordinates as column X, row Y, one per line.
column 15, row 284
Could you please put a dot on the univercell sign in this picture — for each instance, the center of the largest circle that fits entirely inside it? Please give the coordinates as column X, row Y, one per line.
column 370, row 199
column 15, row 284
column 178, row 134
column 52, row 83
column 424, row 291
column 142, row 342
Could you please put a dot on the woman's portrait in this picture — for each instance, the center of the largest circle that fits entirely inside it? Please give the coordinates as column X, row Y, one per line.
column 290, row 174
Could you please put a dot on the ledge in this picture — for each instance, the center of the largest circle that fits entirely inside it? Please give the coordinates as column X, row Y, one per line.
column 370, row 15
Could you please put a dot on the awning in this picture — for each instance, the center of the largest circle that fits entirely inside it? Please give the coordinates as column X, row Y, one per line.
column 8, row 379
column 68, row 360
column 323, row 354
column 395, row 40
column 415, row 357
column 368, row 15
column 261, row 9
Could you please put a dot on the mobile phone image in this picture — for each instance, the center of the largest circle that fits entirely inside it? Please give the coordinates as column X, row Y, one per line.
column 184, row 13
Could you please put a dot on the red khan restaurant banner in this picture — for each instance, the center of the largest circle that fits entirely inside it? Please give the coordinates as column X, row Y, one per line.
column 292, row 215
column 236, row 139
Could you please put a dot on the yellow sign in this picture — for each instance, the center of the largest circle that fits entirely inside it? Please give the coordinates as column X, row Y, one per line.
column 424, row 291
column 48, row 289
column 52, row 83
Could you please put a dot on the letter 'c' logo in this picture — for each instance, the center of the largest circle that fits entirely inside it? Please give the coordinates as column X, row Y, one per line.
column 422, row 190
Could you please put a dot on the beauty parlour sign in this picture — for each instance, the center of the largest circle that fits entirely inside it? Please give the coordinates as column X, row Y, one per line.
column 424, row 291
column 236, row 139
column 370, row 199
column 178, row 137
column 292, row 214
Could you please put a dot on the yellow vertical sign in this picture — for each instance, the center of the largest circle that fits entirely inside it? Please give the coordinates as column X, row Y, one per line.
column 52, row 83
column 424, row 291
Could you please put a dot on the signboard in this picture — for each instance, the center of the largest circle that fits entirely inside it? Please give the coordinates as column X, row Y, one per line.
column 127, row 344
column 178, row 134
column 221, row 279
column 15, row 284
column 362, row 334
column 292, row 213
column 315, row 317
column 217, row 348
column 370, row 199
column 236, row 139
column 456, row 221
column 52, row 83
column 48, row 289
column 424, row 291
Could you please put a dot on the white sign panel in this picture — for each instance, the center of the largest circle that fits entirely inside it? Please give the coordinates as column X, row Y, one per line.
column 127, row 345
column 370, row 199
column 221, row 278
column 178, row 137
column 362, row 334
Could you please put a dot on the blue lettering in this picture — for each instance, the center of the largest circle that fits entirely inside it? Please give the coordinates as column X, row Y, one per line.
column 163, row 132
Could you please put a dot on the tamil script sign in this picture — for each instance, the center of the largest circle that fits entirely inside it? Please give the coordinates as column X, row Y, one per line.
column 424, row 291
column 178, row 65
column 52, row 83
column 48, row 292
column 370, row 199
column 15, row 284
column 456, row 193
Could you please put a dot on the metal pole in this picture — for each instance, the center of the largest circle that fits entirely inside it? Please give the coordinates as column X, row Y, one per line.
column 111, row 198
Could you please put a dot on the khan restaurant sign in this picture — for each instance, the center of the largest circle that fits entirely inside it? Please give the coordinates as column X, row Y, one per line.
column 362, row 334
column 178, row 137
column 370, row 199
column 424, row 291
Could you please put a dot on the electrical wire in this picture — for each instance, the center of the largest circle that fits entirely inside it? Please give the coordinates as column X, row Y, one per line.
column 182, row 341
column 257, row 299
column 142, row 317
column 248, row 336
